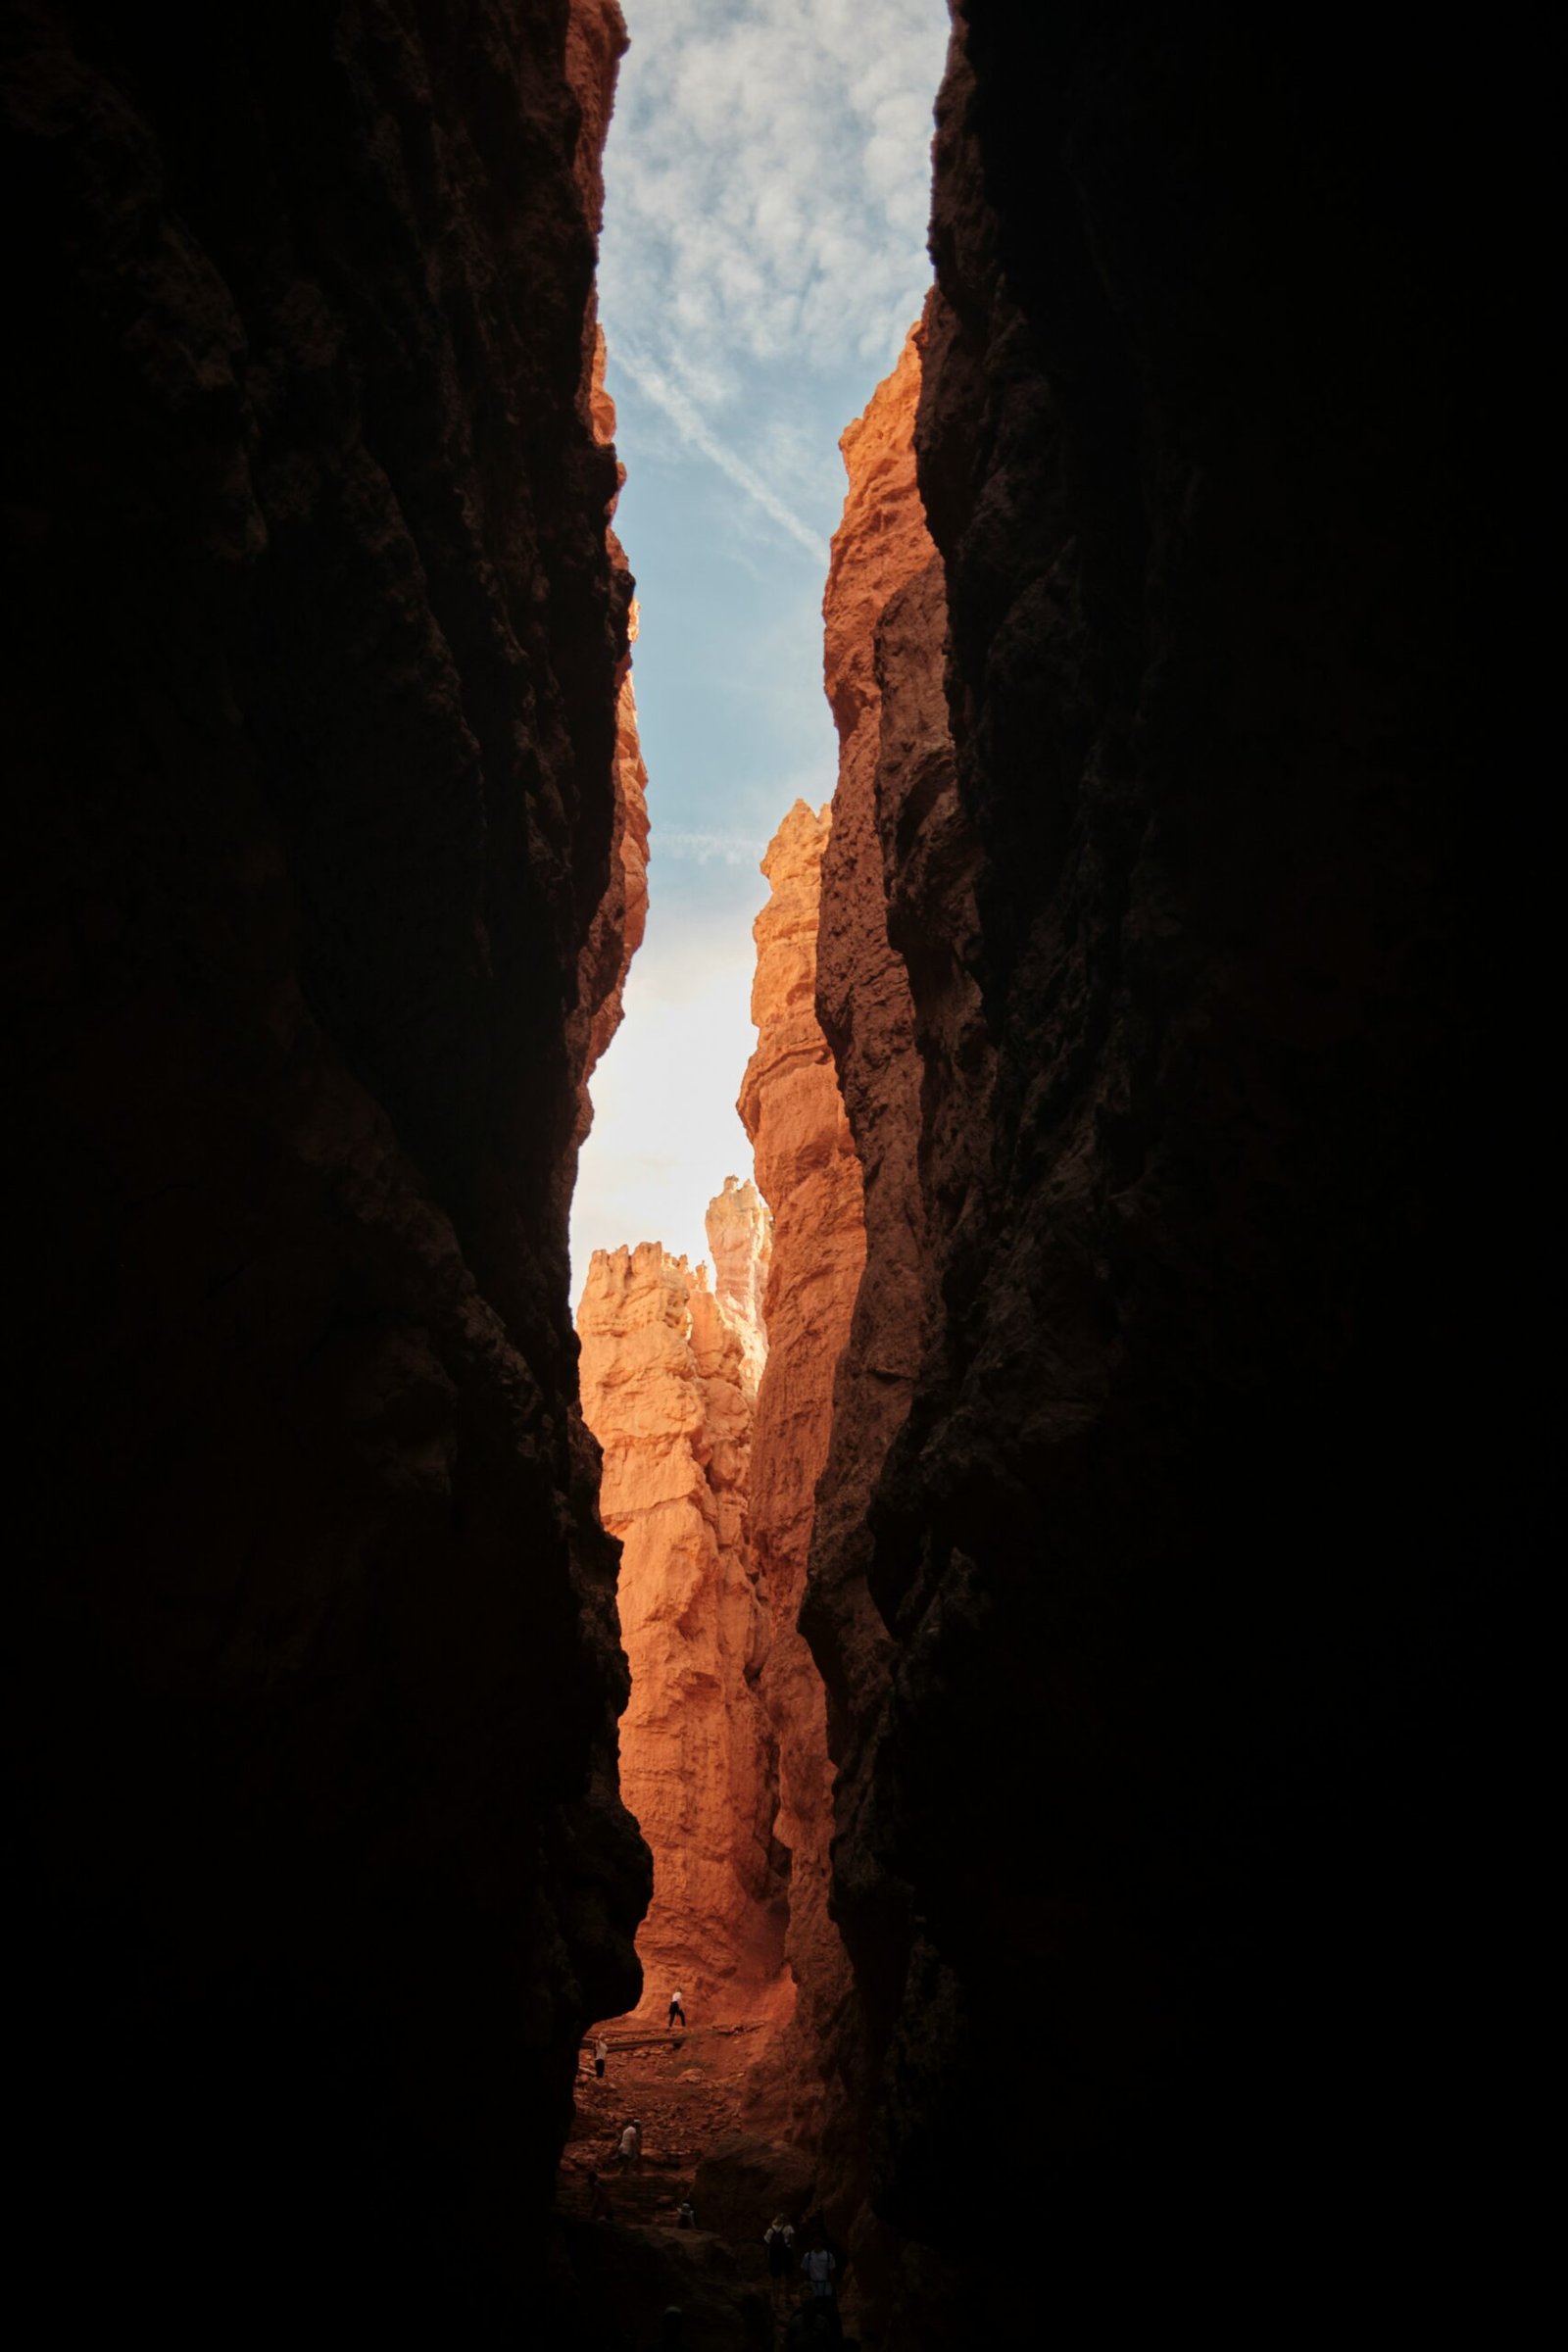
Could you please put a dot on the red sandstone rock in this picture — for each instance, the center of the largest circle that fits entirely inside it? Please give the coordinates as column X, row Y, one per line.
column 740, row 1234
column 880, row 549
column 669, row 1386
column 617, row 928
column 596, row 40
column 885, row 619
column 1188, row 1538
column 807, row 1173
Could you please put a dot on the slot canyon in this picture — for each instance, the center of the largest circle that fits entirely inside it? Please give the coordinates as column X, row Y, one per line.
column 1020, row 1637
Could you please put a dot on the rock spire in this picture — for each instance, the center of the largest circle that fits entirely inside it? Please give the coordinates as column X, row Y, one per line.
column 670, row 1376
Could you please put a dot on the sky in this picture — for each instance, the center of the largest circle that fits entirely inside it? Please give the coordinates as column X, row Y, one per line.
column 767, row 178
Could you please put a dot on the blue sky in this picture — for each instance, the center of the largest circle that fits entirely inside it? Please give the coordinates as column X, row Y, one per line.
column 766, row 186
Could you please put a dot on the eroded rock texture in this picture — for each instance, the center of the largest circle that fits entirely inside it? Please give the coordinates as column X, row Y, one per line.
column 318, row 1867
column 616, row 930
column 809, row 1175
column 892, row 870
column 866, row 1015
column 740, row 1235
column 1146, row 1861
column 669, row 1372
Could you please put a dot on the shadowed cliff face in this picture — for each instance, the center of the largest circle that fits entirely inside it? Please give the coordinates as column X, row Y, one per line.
column 319, row 1863
column 893, row 1000
column 1143, row 1859
column 809, row 1175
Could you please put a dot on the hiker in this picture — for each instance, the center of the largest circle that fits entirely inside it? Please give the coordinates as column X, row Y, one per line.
column 685, row 2215
column 630, row 2148
column 600, row 2208
column 672, row 2331
column 780, row 2239
column 675, row 2007
column 819, row 2264
column 601, row 2053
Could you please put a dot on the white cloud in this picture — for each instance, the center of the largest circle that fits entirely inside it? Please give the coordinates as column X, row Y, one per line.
column 665, row 1132
column 732, row 849
column 689, row 421
column 763, row 252
column 767, row 180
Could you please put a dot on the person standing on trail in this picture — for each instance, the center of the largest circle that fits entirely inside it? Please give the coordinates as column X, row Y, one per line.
column 630, row 2148
column 600, row 2208
column 780, row 2239
column 676, row 2008
column 601, row 2053
column 819, row 2265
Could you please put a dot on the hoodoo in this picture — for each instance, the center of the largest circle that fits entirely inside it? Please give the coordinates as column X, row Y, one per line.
column 670, row 1374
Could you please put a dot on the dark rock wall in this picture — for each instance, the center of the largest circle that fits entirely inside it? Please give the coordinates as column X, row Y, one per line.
column 1149, row 1864
column 312, row 1670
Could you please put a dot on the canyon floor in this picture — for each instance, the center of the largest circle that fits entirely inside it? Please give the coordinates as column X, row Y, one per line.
column 688, row 2092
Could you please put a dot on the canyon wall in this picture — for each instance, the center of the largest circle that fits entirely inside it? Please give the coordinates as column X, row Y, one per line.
column 1146, row 1855
column 866, row 1015
column 808, row 1172
column 670, row 1376
column 895, row 1007
column 315, row 1858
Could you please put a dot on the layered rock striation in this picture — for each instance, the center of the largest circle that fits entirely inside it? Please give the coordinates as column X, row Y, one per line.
column 327, row 837
column 1145, row 1851
column 670, row 1374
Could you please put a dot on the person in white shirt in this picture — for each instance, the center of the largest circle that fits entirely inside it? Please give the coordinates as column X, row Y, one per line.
column 676, row 2007
column 630, row 2148
column 819, row 2266
column 601, row 2053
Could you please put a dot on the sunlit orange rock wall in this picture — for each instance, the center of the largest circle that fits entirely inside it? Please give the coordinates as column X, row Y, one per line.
column 740, row 1235
column 884, row 617
column 808, row 1172
column 669, row 1372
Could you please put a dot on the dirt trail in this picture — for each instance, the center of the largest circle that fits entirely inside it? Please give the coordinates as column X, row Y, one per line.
column 686, row 2089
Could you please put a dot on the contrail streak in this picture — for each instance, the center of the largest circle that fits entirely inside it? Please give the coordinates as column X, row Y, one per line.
column 693, row 427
